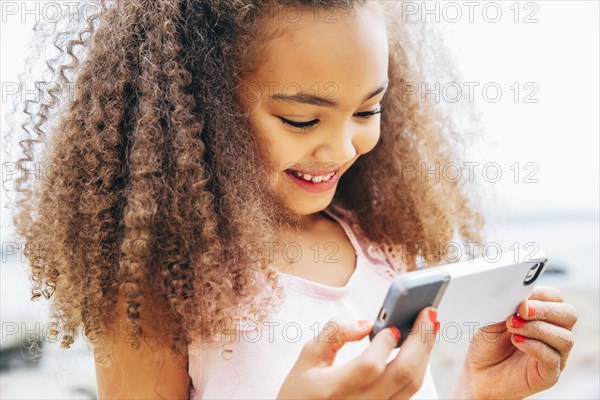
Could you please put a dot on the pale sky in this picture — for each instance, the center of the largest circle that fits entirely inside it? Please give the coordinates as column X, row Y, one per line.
column 558, row 56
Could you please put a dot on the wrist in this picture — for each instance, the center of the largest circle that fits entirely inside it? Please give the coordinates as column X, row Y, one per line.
column 464, row 388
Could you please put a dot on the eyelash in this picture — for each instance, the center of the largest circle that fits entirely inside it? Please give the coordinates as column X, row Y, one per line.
column 309, row 124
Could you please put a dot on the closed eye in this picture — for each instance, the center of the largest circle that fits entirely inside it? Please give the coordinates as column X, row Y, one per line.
column 367, row 114
column 305, row 125
column 301, row 125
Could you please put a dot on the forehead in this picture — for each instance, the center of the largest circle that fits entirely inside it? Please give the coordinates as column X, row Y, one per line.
column 343, row 54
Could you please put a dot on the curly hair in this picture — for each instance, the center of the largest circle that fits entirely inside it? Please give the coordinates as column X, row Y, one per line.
column 153, row 196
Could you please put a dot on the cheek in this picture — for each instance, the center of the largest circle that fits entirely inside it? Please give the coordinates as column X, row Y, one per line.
column 277, row 145
column 366, row 141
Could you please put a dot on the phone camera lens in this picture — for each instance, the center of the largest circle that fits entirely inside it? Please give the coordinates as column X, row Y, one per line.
column 532, row 274
column 382, row 315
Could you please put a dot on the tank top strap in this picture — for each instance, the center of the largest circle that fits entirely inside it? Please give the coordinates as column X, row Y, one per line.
column 387, row 260
column 347, row 223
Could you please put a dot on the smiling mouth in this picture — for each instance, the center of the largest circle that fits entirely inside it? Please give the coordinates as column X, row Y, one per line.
column 312, row 178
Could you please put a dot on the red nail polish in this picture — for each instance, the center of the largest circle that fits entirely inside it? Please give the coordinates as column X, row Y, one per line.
column 436, row 327
column 530, row 309
column 433, row 315
column 517, row 322
column 519, row 338
column 395, row 332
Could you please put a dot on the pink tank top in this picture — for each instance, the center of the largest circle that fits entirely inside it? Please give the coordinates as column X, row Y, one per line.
column 261, row 356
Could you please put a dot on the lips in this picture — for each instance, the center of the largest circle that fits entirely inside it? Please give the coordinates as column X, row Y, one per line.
column 315, row 184
column 314, row 178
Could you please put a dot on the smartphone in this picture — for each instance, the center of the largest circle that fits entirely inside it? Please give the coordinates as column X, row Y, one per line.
column 467, row 294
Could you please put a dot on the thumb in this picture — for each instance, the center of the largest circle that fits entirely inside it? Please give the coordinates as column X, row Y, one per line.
column 337, row 331
column 423, row 333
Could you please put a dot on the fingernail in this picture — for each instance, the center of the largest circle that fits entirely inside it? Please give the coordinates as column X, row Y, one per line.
column 517, row 322
column 435, row 325
column 519, row 338
column 363, row 323
column 395, row 332
column 530, row 309
column 433, row 315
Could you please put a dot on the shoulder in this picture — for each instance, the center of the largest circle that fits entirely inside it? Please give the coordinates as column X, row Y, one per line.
column 150, row 371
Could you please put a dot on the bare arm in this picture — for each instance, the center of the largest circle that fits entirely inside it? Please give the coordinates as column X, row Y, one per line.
column 152, row 371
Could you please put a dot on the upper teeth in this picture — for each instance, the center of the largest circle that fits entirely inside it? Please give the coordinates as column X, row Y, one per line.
column 316, row 179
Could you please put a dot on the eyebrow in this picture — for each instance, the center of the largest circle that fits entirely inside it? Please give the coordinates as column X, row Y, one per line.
column 305, row 98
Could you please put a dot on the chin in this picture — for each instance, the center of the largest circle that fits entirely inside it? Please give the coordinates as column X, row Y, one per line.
column 311, row 206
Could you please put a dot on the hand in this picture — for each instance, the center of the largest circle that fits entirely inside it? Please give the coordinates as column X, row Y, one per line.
column 524, row 354
column 366, row 376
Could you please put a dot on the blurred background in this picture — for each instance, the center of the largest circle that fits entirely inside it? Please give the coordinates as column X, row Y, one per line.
column 529, row 69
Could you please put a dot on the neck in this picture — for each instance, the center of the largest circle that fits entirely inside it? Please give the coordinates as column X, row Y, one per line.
column 303, row 223
column 308, row 221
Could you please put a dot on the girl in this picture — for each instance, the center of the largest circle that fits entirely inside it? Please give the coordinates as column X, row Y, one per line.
column 230, row 200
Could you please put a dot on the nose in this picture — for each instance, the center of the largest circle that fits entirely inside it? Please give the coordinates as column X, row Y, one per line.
column 338, row 146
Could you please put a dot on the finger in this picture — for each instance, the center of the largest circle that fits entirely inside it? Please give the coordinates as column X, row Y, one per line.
column 337, row 331
column 492, row 329
column 561, row 314
column 548, row 359
column 403, row 375
column 369, row 365
column 560, row 339
column 414, row 356
column 546, row 293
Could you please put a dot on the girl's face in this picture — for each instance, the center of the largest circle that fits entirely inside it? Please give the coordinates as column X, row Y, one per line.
column 315, row 99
